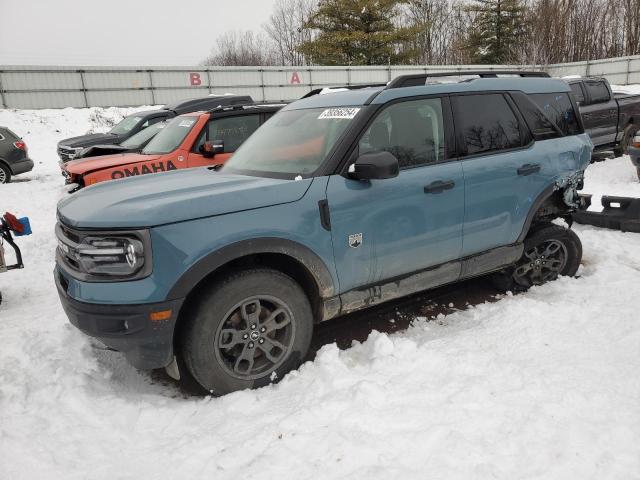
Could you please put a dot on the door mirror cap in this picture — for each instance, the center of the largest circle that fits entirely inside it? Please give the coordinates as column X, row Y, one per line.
column 211, row 149
column 374, row 166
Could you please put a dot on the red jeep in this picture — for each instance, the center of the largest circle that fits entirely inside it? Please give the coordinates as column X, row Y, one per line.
column 190, row 140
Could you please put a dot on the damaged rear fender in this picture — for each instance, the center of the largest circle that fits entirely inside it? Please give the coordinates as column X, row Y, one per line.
column 558, row 200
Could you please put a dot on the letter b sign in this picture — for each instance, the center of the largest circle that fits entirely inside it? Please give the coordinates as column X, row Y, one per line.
column 194, row 79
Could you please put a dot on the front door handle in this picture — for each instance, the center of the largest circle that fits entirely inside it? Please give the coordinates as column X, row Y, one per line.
column 439, row 186
column 529, row 168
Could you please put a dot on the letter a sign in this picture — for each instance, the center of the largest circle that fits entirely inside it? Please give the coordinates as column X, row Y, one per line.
column 295, row 78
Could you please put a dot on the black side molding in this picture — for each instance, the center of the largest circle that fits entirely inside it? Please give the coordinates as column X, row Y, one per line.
column 325, row 214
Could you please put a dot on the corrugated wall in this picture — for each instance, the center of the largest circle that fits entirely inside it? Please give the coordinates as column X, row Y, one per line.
column 58, row 87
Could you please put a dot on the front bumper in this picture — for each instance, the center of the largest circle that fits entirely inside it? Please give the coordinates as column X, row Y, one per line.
column 67, row 154
column 22, row 166
column 146, row 343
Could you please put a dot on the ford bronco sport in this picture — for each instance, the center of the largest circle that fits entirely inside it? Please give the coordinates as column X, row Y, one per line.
column 338, row 202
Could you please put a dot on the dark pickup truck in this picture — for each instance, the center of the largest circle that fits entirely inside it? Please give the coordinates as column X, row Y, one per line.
column 72, row 148
column 611, row 119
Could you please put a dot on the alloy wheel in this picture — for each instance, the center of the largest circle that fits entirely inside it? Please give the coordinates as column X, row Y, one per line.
column 255, row 337
column 541, row 264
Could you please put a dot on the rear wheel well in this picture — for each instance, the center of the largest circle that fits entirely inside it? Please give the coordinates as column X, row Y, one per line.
column 552, row 207
column 8, row 169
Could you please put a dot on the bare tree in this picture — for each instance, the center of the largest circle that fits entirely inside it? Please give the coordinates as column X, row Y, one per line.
column 553, row 31
column 286, row 29
column 242, row 48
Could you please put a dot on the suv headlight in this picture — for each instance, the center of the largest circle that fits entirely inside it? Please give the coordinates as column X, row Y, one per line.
column 105, row 256
column 119, row 256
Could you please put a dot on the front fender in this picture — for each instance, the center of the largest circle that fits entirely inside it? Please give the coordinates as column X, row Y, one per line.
column 213, row 261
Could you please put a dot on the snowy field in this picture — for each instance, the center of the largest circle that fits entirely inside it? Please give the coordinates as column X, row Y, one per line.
column 542, row 385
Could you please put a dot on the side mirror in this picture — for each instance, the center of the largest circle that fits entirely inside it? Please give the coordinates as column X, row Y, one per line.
column 211, row 149
column 374, row 166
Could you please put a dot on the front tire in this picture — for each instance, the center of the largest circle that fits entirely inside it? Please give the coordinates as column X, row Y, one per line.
column 247, row 331
column 5, row 174
column 549, row 251
column 629, row 132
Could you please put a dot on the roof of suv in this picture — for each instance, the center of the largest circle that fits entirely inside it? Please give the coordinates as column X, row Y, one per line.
column 364, row 96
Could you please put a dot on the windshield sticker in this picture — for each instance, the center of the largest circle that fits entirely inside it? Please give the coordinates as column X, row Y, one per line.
column 346, row 113
column 186, row 123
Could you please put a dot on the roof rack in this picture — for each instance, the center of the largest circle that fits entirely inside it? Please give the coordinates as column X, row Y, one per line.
column 205, row 103
column 347, row 87
column 242, row 106
column 421, row 78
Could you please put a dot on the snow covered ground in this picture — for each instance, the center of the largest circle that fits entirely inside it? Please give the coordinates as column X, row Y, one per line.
column 543, row 385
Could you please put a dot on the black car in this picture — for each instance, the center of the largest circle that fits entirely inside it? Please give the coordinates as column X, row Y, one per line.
column 14, row 158
column 71, row 148
column 132, row 144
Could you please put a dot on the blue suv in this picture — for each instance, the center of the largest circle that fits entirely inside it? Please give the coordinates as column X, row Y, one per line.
column 339, row 202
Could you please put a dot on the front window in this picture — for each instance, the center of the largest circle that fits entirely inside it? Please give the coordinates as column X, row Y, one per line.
column 171, row 136
column 126, row 125
column 143, row 136
column 413, row 131
column 293, row 142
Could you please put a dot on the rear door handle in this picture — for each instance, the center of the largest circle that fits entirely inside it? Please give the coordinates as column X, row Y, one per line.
column 529, row 168
column 439, row 186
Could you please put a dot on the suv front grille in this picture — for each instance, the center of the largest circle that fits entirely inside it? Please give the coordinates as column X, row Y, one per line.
column 68, row 240
column 66, row 153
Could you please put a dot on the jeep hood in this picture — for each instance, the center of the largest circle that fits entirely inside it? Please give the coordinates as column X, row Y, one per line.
column 177, row 196
column 91, row 164
column 90, row 139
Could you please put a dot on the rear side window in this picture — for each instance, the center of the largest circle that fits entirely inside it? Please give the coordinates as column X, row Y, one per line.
column 7, row 134
column 541, row 127
column 598, row 92
column 558, row 108
column 486, row 123
column 233, row 131
column 576, row 89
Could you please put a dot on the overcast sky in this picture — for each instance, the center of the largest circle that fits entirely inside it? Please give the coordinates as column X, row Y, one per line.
column 120, row 32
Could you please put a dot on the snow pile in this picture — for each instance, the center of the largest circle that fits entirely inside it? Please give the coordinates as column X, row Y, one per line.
column 628, row 89
column 539, row 385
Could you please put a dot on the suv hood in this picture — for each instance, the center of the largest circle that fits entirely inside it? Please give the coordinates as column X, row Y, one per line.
column 90, row 164
column 91, row 139
column 170, row 197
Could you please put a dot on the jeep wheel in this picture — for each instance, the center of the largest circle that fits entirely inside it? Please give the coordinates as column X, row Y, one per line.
column 627, row 134
column 5, row 174
column 248, row 331
column 549, row 251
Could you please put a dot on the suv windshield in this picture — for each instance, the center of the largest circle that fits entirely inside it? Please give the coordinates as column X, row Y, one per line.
column 293, row 142
column 125, row 125
column 171, row 136
column 143, row 136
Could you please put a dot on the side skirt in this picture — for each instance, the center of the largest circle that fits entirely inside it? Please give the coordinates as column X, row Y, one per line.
column 443, row 274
